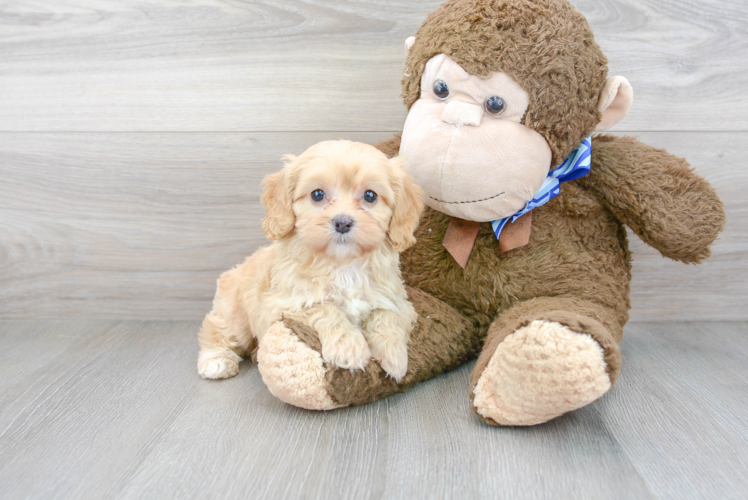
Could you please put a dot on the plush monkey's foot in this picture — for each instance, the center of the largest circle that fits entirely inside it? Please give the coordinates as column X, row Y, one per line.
column 217, row 363
column 293, row 371
column 538, row 373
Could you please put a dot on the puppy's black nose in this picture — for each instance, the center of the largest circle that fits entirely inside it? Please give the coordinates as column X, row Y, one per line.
column 342, row 224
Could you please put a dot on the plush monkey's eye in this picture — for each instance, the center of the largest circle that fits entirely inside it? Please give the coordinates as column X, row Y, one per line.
column 370, row 197
column 441, row 89
column 495, row 105
column 318, row 195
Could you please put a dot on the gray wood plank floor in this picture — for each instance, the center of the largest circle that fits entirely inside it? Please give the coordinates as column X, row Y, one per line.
column 115, row 409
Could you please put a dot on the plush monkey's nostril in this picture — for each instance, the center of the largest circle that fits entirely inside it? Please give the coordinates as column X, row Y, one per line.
column 342, row 224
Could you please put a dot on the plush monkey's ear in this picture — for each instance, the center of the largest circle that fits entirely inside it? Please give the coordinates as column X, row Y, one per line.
column 615, row 101
column 277, row 199
column 407, row 208
column 409, row 44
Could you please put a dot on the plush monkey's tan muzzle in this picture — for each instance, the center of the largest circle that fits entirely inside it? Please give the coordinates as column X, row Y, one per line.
column 462, row 113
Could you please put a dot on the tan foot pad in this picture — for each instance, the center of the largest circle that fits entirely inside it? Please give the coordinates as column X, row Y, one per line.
column 292, row 370
column 539, row 372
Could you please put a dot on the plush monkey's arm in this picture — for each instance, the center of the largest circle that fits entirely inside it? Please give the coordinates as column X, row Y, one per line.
column 657, row 195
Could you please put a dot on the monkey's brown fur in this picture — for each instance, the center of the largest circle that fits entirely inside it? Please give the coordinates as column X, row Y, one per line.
column 577, row 267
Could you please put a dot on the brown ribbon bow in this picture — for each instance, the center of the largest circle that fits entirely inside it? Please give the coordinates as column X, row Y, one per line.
column 461, row 234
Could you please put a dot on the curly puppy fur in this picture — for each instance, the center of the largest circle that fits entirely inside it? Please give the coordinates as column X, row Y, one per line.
column 334, row 265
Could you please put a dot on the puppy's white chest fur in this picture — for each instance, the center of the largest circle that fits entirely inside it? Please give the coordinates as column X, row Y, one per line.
column 292, row 288
column 348, row 292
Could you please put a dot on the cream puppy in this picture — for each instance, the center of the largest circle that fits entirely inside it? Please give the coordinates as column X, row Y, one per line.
column 339, row 215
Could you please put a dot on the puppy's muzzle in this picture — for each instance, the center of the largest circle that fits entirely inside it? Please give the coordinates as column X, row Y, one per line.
column 342, row 224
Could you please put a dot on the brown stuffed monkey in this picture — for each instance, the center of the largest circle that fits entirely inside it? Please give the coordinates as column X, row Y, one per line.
column 500, row 93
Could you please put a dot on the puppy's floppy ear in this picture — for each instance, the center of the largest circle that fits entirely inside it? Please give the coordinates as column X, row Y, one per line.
column 407, row 206
column 277, row 199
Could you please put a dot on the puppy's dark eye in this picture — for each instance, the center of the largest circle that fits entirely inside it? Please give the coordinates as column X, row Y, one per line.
column 441, row 89
column 370, row 197
column 495, row 105
column 318, row 195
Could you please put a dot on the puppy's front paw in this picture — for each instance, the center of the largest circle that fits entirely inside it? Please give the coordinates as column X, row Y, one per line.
column 348, row 350
column 392, row 354
column 217, row 367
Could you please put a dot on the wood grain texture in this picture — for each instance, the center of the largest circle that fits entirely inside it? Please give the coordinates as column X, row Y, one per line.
column 680, row 409
column 665, row 290
column 117, row 410
column 131, row 225
column 279, row 65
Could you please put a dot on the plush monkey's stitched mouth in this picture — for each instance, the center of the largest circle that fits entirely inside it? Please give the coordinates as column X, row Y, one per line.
column 463, row 202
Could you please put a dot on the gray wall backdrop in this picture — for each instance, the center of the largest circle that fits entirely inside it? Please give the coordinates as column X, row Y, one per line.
column 134, row 134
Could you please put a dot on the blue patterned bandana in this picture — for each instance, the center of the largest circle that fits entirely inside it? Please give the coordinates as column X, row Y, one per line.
column 576, row 165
